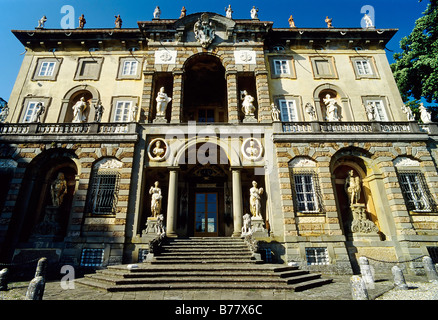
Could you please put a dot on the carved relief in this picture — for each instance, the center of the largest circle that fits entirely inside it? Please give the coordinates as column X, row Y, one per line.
column 158, row 150
column 205, row 31
column 252, row 149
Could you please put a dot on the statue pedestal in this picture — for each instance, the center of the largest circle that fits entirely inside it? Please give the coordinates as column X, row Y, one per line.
column 159, row 119
column 151, row 226
column 49, row 229
column 360, row 236
column 258, row 227
column 250, row 118
column 361, row 227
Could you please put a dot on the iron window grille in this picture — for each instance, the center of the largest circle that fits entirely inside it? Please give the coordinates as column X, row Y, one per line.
column 307, row 193
column 317, row 256
column 415, row 191
column 104, row 192
column 92, row 257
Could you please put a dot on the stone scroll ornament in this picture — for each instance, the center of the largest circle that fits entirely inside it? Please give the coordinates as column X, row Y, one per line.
column 205, row 31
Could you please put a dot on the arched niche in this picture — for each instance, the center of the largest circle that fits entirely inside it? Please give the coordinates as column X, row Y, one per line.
column 91, row 95
column 343, row 102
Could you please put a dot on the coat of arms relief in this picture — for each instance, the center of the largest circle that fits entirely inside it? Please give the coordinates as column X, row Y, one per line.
column 205, row 30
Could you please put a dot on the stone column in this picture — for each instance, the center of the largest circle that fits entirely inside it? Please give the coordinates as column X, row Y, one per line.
column 358, row 288
column 263, row 105
column 233, row 96
column 177, row 96
column 237, row 201
column 367, row 273
column 429, row 268
column 172, row 198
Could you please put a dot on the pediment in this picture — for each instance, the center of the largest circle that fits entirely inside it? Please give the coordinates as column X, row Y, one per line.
column 221, row 22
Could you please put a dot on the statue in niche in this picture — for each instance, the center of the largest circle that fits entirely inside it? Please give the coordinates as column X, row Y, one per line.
column 82, row 21
column 58, row 190
column 329, row 22
column 98, row 112
column 310, row 109
column 275, row 112
column 254, row 13
column 246, row 229
column 331, row 108
column 371, row 111
column 41, row 22
column 247, row 104
column 255, row 200
column 157, row 12
column 425, row 115
column 155, row 191
column 229, row 12
column 162, row 102
column 158, row 151
column 352, row 188
column 204, row 30
column 118, row 22
column 361, row 223
column 79, row 111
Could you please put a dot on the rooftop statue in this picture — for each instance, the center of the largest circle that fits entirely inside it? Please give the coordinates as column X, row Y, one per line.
column 118, row 21
column 41, row 22
column 254, row 13
column 183, row 12
column 329, row 22
column 368, row 21
column 291, row 22
column 157, row 12
column 82, row 21
column 229, row 12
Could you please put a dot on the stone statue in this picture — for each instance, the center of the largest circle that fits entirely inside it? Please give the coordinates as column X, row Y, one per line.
column 158, row 151
column 247, row 104
column 252, row 152
column 41, row 22
column 118, row 21
column 99, row 109
column 352, row 188
column 82, row 21
column 329, row 22
column 133, row 113
column 331, row 108
column 275, row 112
column 204, row 30
column 360, row 221
column 183, row 12
column 159, row 227
column 157, row 12
column 229, row 12
column 39, row 111
column 368, row 21
column 291, row 22
column 254, row 13
column 4, row 113
column 310, row 109
column 155, row 191
column 408, row 112
column 371, row 111
column 255, row 200
column 425, row 115
column 58, row 190
column 79, row 111
column 162, row 102
column 246, row 229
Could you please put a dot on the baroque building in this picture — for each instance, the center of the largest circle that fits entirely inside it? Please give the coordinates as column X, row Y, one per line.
column 205, row 119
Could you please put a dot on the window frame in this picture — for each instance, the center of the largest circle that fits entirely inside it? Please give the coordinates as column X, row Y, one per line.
column 372, row 64
column 121, row 68
column 290, row 66
column 422, row 191
column 331, row 60
column 27, row 101
column 95, row 192
column 80, row 63
column 53, row 76
column 384, row 108
column 125, row 99
column 288, row 107
column 316, row 200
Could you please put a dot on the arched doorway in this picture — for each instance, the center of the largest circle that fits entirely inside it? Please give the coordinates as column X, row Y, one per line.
column 205, row 90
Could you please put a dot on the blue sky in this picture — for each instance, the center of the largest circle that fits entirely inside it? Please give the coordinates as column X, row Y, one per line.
column 24, row 14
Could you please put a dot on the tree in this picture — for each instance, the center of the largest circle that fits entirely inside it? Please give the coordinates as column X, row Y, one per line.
column 416, row 67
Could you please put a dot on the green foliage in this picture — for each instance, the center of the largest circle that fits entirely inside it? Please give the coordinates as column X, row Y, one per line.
column 416, row 67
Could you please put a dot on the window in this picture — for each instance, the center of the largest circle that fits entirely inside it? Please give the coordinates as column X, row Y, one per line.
column 379, row 108
column 88, row 68
column 288, row 110
column 206, row 115
column 103, row 193
column 46, row 69
column 323, row 67
column 30, row 113
column 415, row 191
column 129, row 68
column 363, row 67
column 307, row 199
column 92, row 257
column 123, row 111
column 317, row 256
column 281, row 67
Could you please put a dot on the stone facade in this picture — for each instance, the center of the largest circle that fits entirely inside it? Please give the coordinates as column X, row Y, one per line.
column 206, row 170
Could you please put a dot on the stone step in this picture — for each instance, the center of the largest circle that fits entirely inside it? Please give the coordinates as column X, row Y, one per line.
column 206, row 254
column 204, row 261
column 145, row 267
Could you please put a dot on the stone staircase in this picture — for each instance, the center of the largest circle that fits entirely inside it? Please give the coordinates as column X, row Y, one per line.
column 203, row 263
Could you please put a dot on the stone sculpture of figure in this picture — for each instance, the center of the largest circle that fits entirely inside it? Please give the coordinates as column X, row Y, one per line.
column 229, row 12
column 40, row 109
column 118, row 21
column 329, row 22
column 291, row 22
column 275, row 112
column 162, row 102
column 133, row 113
column 368, row 21
column 425, row 115
column 252, row 151
column 41, row 22
column 4, row 113
column 352, row 187
column 183, row 12
column 157, row 12
column 99, row 109
column 371, row 111
column 246, row 229
column 255, row 200
column 58, row 190
column 408, row 112
column 247, row 104
column 158, row 151
column 82, row 21
column 155, row 191
column 159, row 227
column 310, row 109
column 79, row 111
column 331, row 108
column 254, row 13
